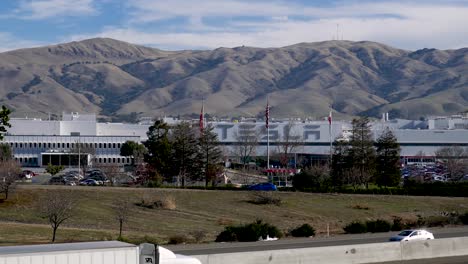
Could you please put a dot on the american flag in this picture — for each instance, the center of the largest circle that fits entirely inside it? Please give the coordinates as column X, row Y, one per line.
column 267, row 115
column 330, row 118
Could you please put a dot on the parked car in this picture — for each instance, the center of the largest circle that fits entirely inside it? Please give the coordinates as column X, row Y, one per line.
column 57, row 180
column 413, row 235
column 27, row 174
column 89, row 182
column 264, row 186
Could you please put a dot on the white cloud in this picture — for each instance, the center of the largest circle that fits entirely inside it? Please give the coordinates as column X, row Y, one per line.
column 42, row 9
column 10, row 42
column 410, row 26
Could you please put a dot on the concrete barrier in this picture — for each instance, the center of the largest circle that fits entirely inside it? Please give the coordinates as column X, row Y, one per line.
column 437, row 248
column 355, row 254
column 361, row 253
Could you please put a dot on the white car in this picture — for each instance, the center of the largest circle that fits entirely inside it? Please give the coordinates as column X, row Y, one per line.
column 412, row 235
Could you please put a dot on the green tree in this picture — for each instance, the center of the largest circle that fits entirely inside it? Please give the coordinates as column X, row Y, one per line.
column 209, row 154
column 340, row 161
column 159, row 148
column 5, row 152
column 133, row 149
column 54, row 169
column 4, row 120
column 388, row 159
column 314, row 177
column 184, row 152
column 362, row 153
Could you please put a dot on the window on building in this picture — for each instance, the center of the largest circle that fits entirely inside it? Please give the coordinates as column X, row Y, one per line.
column 68, row 145
column 113, row 145
column 118, row 160
column 105, row 145
column 21, row 160
column 30, row 145
column 21, row 145
column 100, row 145
column 113, row 160
column 35, row 145
column 118, row 145
column 16, row 144
column 48, row 145
column 100, row 160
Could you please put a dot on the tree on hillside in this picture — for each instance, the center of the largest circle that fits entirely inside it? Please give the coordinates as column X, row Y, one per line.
column 455, row 160
column 362, row 153
column 388, row 159
column 184, row 152
column 57, row 207
column 209, row 154
column 289, row 144
column 246, row 144
column 9, row 174
column 159, row 147
column 4, row 120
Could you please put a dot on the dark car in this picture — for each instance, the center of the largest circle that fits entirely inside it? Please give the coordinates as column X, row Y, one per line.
column 265, row 186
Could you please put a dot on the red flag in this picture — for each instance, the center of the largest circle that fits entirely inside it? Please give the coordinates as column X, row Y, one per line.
column 330, row 118
column 201, row 122
column 267, row 115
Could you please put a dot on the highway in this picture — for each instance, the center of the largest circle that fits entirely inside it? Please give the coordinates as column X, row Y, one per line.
column 218, row 248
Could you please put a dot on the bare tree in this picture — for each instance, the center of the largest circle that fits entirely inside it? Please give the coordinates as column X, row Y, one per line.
column 57, row 207
column 9, row 174
column 289, row 144
column 113, row 172
column 247, row 141
column 122, row 212
column 455, row 160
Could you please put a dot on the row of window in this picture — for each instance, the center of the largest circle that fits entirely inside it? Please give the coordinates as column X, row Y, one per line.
column 64, row 145
column 100, row 160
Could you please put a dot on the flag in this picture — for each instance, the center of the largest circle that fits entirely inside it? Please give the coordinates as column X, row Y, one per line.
column 267, row 115
column 201, row 122
column 330, row 118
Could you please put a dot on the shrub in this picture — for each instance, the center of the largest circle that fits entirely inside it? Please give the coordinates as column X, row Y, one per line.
column 248, row 232
column 228, row 235
column 439, row 220
column 360, row 207
column 177, row 239
column 355, row 228
column 464, row 218
column 265, row 198
column 198, row 235
column 165, row 202
column 397, row 224
column 304, row 230
column 378, row 225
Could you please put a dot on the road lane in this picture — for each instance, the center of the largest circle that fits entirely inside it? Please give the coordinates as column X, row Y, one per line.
column 219, row 248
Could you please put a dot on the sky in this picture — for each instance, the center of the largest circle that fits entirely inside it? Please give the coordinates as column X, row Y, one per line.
column 209, row 24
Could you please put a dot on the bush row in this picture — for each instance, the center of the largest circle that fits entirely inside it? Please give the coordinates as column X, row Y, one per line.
column 258, row 229
column 380, row 225
column 248, row 232
column 412, row 188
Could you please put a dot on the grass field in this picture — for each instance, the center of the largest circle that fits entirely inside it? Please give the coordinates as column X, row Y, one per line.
column 200, row 211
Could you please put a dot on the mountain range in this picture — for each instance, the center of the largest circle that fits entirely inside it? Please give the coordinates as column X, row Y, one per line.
column 119, row 80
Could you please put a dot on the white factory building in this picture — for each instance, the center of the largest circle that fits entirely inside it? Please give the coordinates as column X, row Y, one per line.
column 38, row 142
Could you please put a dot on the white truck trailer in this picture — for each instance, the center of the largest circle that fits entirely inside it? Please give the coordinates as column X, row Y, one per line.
column 108, row 252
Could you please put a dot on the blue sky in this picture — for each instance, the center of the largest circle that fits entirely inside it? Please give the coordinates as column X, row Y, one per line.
column 208, row 24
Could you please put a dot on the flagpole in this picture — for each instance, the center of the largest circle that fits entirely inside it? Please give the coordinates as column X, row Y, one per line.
column 330, row 134
column 267, row 117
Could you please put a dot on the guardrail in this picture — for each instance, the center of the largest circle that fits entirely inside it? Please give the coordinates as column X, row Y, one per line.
column 356, row 254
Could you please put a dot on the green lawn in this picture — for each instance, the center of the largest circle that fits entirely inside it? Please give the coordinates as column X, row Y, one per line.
column 200, row 211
